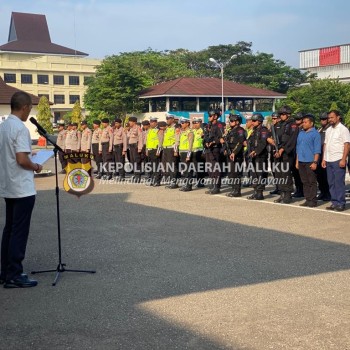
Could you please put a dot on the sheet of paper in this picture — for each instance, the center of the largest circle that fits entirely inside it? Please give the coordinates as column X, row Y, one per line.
column 42, row 156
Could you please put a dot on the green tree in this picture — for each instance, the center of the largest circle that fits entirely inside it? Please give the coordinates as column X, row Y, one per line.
column 347, row 119
column 77, row 116
column 44, row 115
column 319, row 96
column 333, row 106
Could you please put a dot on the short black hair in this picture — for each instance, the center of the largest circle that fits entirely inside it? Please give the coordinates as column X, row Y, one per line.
column 20, row 99
column 335, row 111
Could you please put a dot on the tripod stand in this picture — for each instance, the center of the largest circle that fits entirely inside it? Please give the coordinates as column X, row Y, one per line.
column 60, row 267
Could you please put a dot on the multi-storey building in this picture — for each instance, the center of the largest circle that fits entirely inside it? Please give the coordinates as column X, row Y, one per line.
column 327, row 62
column 29, row 61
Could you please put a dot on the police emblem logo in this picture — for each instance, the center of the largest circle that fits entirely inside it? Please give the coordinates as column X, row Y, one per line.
column 78, row 180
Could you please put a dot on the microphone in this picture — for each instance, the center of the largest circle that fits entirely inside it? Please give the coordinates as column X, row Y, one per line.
column 39, row 127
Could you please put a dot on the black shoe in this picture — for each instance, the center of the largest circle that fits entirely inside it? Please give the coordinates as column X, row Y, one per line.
column 279, row 199
column 305, row 204
column 98, row 176
column 320, row 196
column 339, row 208
column 327, row 198
column 215, row 190
column 62, row 171
column 200, row 185
column 331, row 207
column 287, row 200
column 275, row 191
column 20, row 282
column 185, row 189
column 252, row 196
column 312, row 204
column 298, row 194
column 172, row 186
column 2, row 280
column 231, row 194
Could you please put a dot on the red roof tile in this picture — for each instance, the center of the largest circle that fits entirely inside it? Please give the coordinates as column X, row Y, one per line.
column 7, row 91
column 30, row 33
column 210, row 87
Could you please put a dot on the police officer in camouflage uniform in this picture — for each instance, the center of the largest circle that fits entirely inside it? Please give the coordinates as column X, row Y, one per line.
column 258, row 155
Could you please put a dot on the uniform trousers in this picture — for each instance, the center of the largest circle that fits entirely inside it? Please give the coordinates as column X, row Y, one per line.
column 97, row 156
column 15, row 235
column 284, row 174
column 107, row 158
column 135, row 159
column 212, row 157
column 309, row 180
column 169, row 162
column 235, row 172
column 187, row 168
column 119, row 160
column 199, row 165
column 153, row 169
column 62, row 160
column 321, row 174
column 259, row 172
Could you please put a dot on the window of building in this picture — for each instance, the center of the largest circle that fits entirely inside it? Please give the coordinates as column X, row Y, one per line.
column 73, row 80
column 46, row 95
column 10, row 77
column 73, row 99
column 26, row 79
column 58, row 79
column 43, row 79
column 58, row 99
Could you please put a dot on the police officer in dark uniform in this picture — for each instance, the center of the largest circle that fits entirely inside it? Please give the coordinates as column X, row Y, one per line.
column 287, row 136
column 258, row 154
column 273, row 146
column 212, row 135
column 233, row 145
column 321, row 173
column 299, row 191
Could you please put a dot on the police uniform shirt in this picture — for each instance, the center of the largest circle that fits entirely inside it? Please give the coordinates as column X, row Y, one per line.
column 119, row 137
column 73, row 140
column 106, row 136
column 86, row 140
column 96, row 136
column 135, row 137
column 235, row 139
column 184, row 136
column 258, row 140
column 61, row 139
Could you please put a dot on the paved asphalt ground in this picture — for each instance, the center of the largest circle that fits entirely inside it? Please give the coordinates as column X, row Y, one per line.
column 181, row 271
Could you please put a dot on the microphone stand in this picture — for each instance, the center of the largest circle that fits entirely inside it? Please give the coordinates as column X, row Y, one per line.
column 60, row 267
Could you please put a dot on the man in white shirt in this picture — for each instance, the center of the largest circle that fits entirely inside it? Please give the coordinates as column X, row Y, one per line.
column 335, row 153
column 18, row 189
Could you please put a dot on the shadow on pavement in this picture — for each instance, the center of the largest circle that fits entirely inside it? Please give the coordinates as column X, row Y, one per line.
column 141, row 254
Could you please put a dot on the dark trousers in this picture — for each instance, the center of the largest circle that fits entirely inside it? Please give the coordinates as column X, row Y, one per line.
column 309, row 180
column 259, row 173
column 297, row 179
column 235, row 172
column 97, row 156
column 336, row 182
column 15, row 235
column 62, row 160
column 199, row 164
column 321, row 174
column 135, row 159
column 212, row 157
column 187, row 169
column 170, row 163
column 107, row 158
column 284, row 173
column 119, row 160
column 153, row 162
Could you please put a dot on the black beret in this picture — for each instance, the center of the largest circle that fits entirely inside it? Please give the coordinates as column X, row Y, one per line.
column 145, row 122
column 105, row 120
column 133, row 119
column 309, row 116
column 74, row 124
column 324, row 116
column 118, row 120
column 97, row 122
column 84, row 122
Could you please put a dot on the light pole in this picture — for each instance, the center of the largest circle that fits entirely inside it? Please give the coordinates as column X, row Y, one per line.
column 222, row 65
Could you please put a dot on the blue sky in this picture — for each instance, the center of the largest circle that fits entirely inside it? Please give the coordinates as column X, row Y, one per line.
column 105, row 27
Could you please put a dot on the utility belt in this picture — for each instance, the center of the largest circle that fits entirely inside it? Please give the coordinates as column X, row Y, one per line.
column 105, row 143
column 133, row 144
column 197, row 149
column 168, row 147
column 118, row 145
column 152, row 149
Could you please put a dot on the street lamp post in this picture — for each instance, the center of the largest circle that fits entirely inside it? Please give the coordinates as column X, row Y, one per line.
column 222, row 65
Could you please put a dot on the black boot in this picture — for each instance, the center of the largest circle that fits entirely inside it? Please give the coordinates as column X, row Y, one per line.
column 215, row 190
column 275, row 191
column 280, row 198
column 259, row 196
column 287, row 198
column 252, row 196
